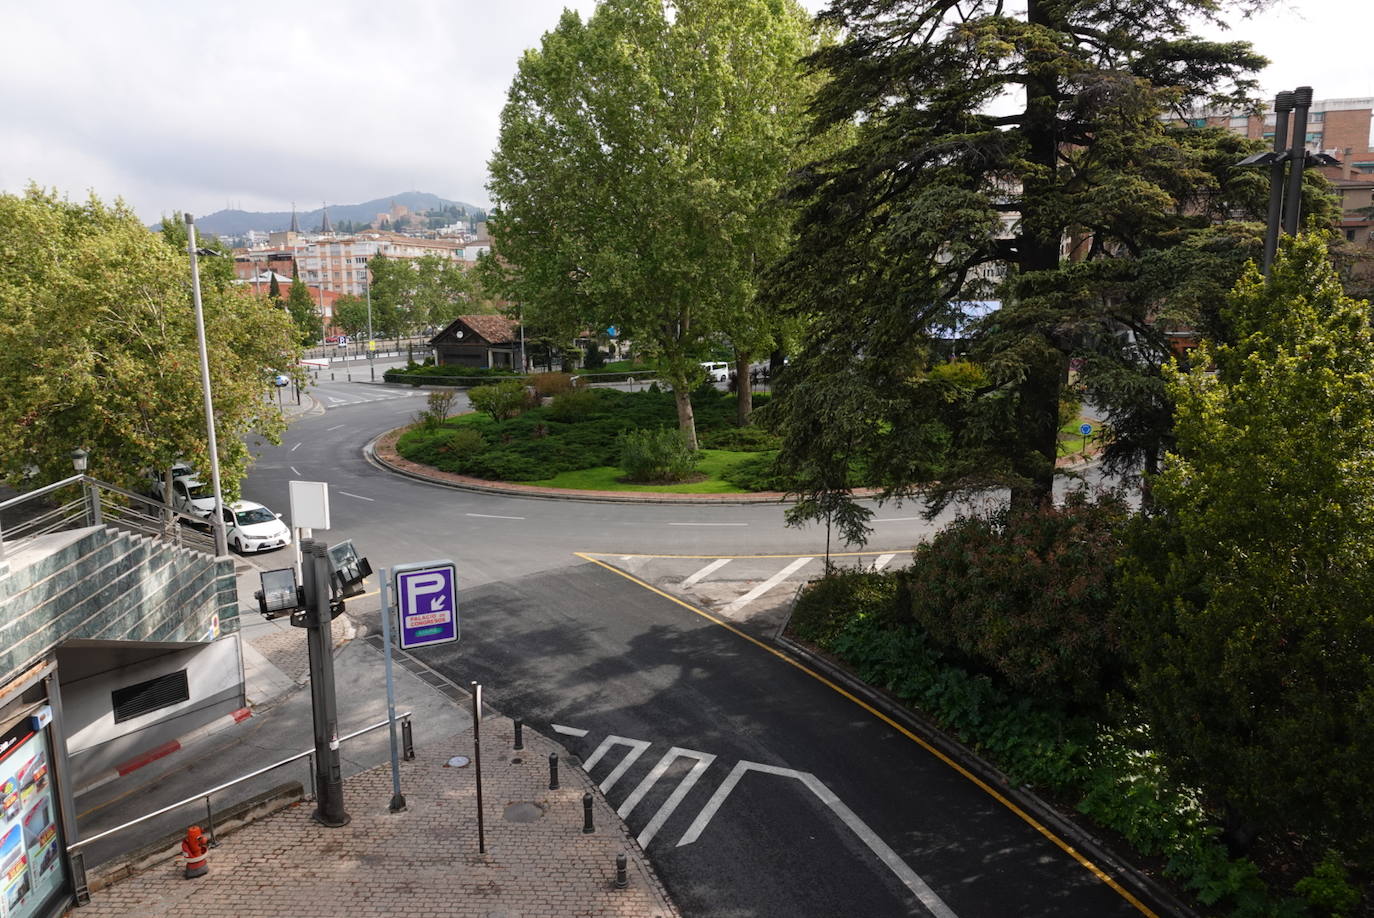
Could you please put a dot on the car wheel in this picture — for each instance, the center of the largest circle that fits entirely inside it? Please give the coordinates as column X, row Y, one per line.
column 238, row 546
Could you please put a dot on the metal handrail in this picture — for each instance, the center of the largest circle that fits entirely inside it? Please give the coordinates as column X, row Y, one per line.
column 206, row 795
column 39, row 492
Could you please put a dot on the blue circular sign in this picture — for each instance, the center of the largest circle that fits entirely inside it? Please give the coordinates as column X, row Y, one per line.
column 1085, row 429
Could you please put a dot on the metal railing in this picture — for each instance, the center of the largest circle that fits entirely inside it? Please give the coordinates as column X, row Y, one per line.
column 101, row 503
column 74, row 850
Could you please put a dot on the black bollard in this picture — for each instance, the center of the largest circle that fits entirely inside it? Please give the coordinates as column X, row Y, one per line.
column 622, row 878
column 553, row 771
column 519, row 735
column 407, row 741
column 587, row 827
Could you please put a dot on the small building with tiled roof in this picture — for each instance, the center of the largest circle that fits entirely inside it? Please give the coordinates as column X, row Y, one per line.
column 478, row 341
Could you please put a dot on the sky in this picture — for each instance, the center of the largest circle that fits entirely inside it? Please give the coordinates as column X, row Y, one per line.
column 175, row 106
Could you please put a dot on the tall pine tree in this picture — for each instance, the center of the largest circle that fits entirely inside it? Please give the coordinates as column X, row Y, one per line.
column 1085, row 212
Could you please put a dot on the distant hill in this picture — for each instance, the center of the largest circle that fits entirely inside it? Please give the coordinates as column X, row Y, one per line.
column 238, row 222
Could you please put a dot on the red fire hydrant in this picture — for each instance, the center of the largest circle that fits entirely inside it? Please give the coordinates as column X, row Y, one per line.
column 195, row 848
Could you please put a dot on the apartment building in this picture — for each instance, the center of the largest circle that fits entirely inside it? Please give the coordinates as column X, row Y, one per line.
column 1339, row 127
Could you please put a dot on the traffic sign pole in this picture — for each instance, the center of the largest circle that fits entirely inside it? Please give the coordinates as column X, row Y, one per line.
column 398, row 801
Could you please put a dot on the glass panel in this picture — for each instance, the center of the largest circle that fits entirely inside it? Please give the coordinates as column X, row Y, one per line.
column 31, row 862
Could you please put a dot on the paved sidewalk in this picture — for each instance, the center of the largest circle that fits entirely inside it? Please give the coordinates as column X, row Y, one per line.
column 421, row 863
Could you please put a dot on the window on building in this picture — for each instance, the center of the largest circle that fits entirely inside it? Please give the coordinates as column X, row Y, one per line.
column 1316, row 117
column 155, row 694
column 1350, row 235
column 1240, row 122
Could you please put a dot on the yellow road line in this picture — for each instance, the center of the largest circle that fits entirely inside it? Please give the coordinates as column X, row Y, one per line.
column 979, row 782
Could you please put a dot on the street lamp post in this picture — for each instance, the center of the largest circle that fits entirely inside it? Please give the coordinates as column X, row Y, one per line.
column 217, row 524
column 371, row 348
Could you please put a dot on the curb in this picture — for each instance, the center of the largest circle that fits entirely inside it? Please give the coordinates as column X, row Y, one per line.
column 166, row 749
column 1095, row 849
column 464, row 483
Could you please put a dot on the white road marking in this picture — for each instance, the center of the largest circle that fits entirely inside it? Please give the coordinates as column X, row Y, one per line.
column 335, row 427
column 713, row 566
column 708, row 524
column 338, row 401
column 897, row 519
column 567, row 731
column 913, row 882
column 359, row 496
column 297, row 446
column 704, row 760
column 637, row 748
column 882, row 561
column 489, row 516
column 293, row 470
column 767, row 585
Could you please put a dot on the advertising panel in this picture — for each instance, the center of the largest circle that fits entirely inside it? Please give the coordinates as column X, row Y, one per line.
column 30, row 838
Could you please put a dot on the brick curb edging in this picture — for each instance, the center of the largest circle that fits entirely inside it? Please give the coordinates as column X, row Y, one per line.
column 1092, row 847
column 382, row 449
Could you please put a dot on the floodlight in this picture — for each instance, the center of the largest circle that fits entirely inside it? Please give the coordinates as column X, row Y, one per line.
column 280, row 595
column 348, row 570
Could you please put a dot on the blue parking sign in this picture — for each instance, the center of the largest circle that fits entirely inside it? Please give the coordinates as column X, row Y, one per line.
column 427, row 601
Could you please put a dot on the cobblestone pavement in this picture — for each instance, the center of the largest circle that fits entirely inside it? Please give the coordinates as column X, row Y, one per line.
column 424, row 862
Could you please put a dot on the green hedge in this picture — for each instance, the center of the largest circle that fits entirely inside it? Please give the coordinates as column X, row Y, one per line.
column 579, row 430
column 428, row 374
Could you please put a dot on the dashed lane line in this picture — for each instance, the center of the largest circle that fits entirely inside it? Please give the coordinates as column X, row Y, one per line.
column 767, row 585
column 492, row 516
column 359, row 496
column 708, row 524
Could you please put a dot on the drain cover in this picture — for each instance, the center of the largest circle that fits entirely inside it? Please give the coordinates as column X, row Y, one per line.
column 458, row 761
column 523, row 812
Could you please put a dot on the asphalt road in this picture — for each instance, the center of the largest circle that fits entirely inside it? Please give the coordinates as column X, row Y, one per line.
column 759, row 789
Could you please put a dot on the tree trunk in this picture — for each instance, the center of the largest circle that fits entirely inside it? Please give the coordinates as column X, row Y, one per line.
column 686, row 421
column 744, row 390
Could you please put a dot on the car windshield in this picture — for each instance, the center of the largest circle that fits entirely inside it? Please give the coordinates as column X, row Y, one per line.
column 197, row 491
column 255, row 515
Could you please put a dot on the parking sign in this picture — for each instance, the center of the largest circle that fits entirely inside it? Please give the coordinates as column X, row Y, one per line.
column 427, row 600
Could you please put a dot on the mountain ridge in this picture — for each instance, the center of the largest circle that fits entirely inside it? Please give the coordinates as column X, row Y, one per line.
column 231, row 222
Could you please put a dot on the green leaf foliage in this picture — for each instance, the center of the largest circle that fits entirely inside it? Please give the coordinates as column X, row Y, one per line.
column 1090, row 217
column 98, row 346
column 656, row 456
column 1251, row 592
column 637, row 171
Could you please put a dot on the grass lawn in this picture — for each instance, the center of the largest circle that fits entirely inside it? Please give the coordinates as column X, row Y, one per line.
column 1071, row 441
column 606, row 477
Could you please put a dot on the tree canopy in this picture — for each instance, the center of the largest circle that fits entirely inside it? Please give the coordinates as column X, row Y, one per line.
column 637, row 169
column 1089, row 216
column 98, row 346
column 1251, row 595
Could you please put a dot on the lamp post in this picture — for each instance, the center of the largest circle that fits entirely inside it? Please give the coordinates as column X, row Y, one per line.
column 371, row 347
column 217, row 524
column 1286, row 209
column 88, row 492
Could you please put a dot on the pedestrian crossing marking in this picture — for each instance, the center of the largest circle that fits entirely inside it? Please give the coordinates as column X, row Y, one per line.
column 704, row 760
column 767, row 585
column 637, row 748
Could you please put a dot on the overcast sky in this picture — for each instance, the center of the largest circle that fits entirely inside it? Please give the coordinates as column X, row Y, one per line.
column 197, row 107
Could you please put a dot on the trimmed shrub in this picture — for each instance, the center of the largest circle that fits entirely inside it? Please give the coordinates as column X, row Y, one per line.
column 548, row 385
column 656, row 455
column 574, row 405
column 1029, row 596
column 740, row 439
column 502, row 401
column 757, row 473
column 828, row 605
column 465, row 442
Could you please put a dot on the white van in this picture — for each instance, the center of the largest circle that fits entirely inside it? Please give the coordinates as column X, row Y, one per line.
column 717, row 371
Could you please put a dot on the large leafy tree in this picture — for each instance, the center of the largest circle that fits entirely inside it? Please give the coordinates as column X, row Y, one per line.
column 98, row 346
column 1016, row 153
column 637, row 169
column 304, row 311
column 1251, row 592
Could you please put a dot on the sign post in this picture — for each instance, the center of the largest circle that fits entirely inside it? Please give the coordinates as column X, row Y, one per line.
column 427, row 600
column 1085, row 429
column 398, row 800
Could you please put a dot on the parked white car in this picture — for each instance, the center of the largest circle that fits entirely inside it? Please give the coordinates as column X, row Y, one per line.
column 252, row 527
column 192, row 496
column 717, row 371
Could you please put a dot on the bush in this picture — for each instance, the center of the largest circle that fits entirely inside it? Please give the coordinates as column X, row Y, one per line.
column 416, row 374
column 465, row 442
column 574, row 405
column 827, row 605
column 439, row 404
column 1029, row 596
column 656, row 455
column 757, row 473
column 740, row 439
column 502, row 401
column 551, row 384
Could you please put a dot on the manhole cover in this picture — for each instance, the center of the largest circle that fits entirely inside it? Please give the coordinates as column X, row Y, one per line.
column 523, row 812
column 458, row 761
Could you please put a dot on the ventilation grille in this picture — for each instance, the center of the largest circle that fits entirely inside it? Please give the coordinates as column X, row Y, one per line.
column 153, row 695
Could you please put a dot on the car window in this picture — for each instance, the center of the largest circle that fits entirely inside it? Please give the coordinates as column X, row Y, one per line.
column 255, row 515
column 198, row 491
